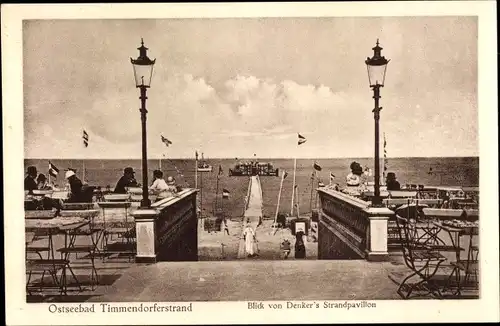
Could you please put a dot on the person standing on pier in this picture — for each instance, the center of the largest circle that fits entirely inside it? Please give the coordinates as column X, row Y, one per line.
column 300, row 248
column 250, row 239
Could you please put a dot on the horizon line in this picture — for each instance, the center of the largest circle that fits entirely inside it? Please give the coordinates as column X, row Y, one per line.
column 257, row 157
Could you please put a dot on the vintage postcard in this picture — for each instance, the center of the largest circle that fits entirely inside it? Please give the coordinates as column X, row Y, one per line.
column 241, row 163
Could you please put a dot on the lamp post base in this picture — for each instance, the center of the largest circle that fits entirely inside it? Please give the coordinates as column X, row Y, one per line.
column 145, row 203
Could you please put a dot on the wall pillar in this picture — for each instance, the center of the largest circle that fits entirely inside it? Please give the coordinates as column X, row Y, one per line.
column 145, row 227
column 376, row 233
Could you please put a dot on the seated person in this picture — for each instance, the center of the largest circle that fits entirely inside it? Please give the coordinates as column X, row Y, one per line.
column 160, row 187
column 353, row 179
column 391, row 182
column 43, row 183
column 78, row 193
column 127, row 180
column 172, row 187
column 30, row 180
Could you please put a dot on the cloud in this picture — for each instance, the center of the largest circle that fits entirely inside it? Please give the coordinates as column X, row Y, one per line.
column 192, row 113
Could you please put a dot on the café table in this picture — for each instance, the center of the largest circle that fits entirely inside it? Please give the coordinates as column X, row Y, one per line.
column 51, row 227
column 467, row 265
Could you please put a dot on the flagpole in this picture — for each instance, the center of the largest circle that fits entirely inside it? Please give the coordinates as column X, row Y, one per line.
column 297, row 194
column 201, row 195
column 83, row 173
column 278, row 204
column 216, row 193
column 49, row 173
column 293, row 185
column 196, row 172
column 312, row 187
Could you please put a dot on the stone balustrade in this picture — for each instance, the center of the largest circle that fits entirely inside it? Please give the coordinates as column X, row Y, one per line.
column 349, row 228
column 168, row 231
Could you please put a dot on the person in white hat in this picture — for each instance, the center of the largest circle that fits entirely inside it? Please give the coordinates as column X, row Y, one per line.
column 75, row 185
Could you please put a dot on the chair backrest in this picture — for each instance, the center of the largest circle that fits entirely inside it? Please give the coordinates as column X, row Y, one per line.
column 407, row 236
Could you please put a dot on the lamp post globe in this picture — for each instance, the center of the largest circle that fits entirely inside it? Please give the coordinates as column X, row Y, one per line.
column 376, row 67
column 143, row 72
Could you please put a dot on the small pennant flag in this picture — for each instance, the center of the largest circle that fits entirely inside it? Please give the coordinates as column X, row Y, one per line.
column 332, row 176
column 53, row 170
column 221, row 171
column 302, row 139
column 85, row 139
column 225, row 193
column 317, row 167
column 166, row 141
column 196, row 155
column 285, row 174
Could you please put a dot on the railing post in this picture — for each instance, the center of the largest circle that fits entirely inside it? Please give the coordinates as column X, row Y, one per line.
column 145, row 227
column 376, row 233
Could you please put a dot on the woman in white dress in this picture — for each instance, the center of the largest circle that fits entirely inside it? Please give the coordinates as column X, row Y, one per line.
column 249, row 236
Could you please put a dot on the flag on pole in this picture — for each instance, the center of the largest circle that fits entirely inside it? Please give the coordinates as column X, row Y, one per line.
column 302, row 139
column 317, row 167
column 196, row 155
column 166, row 141
column 85, row 138
column 225, row 193
column 285, row 174
column 53, row 170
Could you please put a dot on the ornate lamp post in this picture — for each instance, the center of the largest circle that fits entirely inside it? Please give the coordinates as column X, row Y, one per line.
column 143, row 71
column 376, row 67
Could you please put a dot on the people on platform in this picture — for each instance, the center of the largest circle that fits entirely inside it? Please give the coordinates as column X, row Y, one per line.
column 250, row 240
column 300, row 248
column 391, row 182
column 159, row 186
column 127, row 180
column 31, row 183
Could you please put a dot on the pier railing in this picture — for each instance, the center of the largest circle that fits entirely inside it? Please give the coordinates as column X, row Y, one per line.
column 350, row 228
column 168, row 231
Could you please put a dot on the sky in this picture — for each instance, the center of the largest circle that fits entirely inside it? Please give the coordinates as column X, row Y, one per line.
column 237, row 87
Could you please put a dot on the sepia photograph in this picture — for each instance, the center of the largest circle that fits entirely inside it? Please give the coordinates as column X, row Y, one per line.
column 316, row 161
